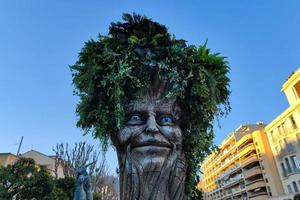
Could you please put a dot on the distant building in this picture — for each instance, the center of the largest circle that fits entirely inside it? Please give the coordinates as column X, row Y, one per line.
column 244, row 168
column 109, row 189
column 40, row 159
column 257, row 161
column 7, row 159
column 45, row 161
column 284, row 136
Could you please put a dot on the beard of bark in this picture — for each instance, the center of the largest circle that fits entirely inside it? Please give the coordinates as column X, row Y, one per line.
column 162, row 179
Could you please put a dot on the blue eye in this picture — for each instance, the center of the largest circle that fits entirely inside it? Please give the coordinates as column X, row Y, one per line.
column 166, row 120
column 134, row 119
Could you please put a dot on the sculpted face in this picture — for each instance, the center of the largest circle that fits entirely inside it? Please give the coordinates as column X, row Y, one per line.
column 151, row 127
column 152, row 163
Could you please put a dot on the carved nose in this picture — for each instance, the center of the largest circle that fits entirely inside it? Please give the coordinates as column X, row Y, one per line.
column 151, row 125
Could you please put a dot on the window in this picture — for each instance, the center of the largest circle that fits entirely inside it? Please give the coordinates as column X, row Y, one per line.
column 289, row 189
column 267, row 181
column 283, row 169
column 295, row 162
column 270, row 192
column 295, row 187
column 289, row 146
column 297, row 89
column 279, row 130
column 277, row 150
column 298, row 137
column 272, row 136
column 289, row 169
column 281, row 144
column 294, row 125
column 283, row 127
column 285, row 142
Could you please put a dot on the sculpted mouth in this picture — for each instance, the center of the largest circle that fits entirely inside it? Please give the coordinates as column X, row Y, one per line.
column 150, row 143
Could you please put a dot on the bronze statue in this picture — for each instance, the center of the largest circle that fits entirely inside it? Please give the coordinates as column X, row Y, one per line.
column 83, row 184
column 155, row 98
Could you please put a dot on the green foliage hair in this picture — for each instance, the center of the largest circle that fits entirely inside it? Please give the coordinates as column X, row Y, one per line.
column 112, row 68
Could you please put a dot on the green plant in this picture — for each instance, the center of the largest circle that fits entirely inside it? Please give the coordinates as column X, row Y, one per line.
column 96, row 196
column 25, row 180
column 67, row 185
column 113, row 68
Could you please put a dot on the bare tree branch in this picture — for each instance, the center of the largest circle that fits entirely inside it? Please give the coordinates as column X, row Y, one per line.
column 81, row 154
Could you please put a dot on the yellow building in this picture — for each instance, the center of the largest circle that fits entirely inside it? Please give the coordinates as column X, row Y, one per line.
column 40, row 159
column 7, row 159
column 284, row 136
column 243, row 168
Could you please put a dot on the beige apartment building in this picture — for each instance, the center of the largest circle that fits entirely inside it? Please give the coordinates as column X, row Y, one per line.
column 243, row 168
column 284, row 136
column 7, row 159
column 41, row 159
column 46, row 161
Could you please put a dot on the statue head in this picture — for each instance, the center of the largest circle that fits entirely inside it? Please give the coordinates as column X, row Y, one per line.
column 153, row 96
column 151, row 125
column 150, row 147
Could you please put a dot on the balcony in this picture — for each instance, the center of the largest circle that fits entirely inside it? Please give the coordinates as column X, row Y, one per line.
column 238, row 191
column 229, row 171
column 227, row 194
column 252, row 172
column 246, row 149
column 227, row 150
column 232, row 181
column 258, row 183
column 244, row 139
column 251, row 159
column 263, row 195
column 228, row 161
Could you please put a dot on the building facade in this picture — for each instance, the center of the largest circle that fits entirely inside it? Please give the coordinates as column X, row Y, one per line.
column 46, row 161
column 243, row 168
column 284, row 136
column 40, row 159
column 7, row 159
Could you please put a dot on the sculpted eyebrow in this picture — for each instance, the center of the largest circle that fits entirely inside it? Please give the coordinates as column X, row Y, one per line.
column 140, row 112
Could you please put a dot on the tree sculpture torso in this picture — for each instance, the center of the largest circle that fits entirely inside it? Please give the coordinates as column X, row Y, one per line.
column 152, row 163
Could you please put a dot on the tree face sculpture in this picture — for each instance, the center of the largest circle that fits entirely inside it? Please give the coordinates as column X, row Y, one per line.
column 155, row 98
column 153, row 165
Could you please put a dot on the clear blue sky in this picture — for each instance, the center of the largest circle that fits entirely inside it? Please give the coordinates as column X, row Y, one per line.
column 40, row 39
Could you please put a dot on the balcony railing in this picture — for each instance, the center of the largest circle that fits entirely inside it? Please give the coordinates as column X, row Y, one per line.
column 250, row 159
column 246, row 149
column 228, row 160
column 229, row 171
column 255, row 194
column 250, row 185
column 238, row 190
column 232, row 181
column 251, row 172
